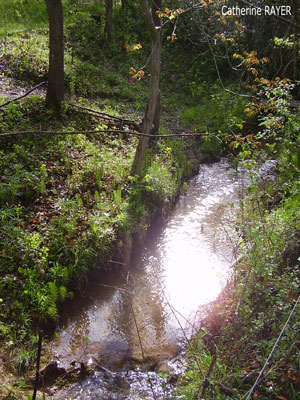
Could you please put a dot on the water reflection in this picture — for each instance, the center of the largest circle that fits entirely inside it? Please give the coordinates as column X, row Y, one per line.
column 184, row 267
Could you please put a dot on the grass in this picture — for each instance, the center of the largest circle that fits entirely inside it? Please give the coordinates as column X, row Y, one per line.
column 58, row 212
column 20, row 15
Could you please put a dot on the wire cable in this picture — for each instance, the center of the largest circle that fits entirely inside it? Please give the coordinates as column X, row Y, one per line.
column 273, row 349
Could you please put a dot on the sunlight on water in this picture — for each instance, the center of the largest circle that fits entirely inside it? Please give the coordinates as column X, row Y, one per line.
column 189, row 262
column 191, row 274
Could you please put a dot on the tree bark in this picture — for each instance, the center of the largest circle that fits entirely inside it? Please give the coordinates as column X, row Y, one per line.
column 108, row 19
column 55, row 92
column 154, row 92
column 155, row 7
column 124, row 6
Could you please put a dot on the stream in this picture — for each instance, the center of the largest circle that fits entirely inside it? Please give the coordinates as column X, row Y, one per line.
column 134, row 324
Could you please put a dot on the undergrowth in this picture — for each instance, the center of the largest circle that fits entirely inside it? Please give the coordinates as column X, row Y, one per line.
column 65, row 200
column 243, row 326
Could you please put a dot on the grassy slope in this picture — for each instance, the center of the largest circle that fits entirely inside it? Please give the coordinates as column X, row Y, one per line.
column 18, row 15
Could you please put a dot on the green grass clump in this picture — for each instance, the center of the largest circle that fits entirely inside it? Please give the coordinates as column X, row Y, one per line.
column 26, row 55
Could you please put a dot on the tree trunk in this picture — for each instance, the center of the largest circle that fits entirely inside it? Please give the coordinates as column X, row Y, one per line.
column 124, row 4
column 153, row 101
column 55, row 92
column 155, row 7
column 108, row 19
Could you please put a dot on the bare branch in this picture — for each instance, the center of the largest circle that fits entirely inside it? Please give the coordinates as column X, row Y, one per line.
column 205, row 382
column 23, row 95
column 109, row 117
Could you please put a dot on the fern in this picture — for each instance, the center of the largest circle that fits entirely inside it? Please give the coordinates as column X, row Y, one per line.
column 53, row 291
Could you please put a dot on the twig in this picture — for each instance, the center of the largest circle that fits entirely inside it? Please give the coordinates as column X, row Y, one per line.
column 37, row 374
column 23, row 95
column 140, row 341
column 218, row 71
column 226, row 390
column 114, row 287
column 103, row 115
column 205, row 381
column 192, row 8
column 116, row 262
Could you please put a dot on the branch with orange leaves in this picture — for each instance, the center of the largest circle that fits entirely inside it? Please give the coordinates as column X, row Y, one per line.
column 218, row 71
column 170, row 16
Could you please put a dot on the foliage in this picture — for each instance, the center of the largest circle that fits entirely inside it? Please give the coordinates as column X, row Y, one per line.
column 215, row 111
column 48, row 216
column 166, row 166
column 63, row 203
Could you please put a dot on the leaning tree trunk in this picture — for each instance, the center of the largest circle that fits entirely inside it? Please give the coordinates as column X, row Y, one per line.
column 108, row 19
column 55, row 92
column 153, row 101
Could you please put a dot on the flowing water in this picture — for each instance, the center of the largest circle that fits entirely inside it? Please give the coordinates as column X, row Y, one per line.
column 131, row 322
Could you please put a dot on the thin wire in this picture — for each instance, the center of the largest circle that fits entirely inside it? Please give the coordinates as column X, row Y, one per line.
column 273, row 349
column 116, row 131
column 139, row 336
